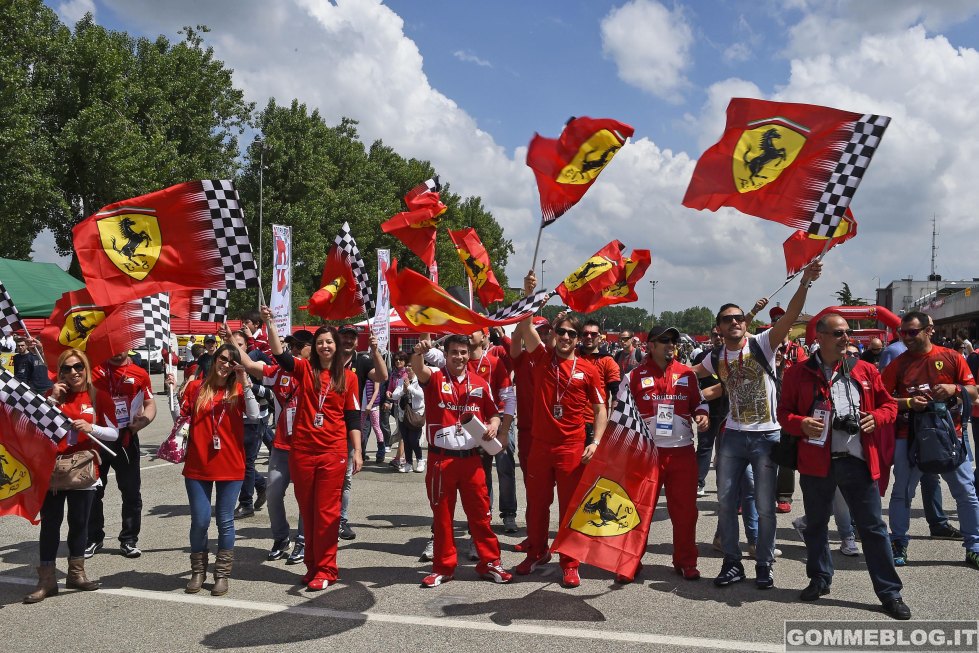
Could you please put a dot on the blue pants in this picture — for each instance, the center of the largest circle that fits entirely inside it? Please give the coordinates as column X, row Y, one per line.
column 252, row 480
column 740, row 450
column 279, row 479
column 506, row 469
column 199, row 496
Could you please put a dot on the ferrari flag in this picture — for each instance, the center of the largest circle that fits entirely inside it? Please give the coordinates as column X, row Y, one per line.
column 802, row 248
column 417, row 226
column 476, row 262
column 633, row 269
column 426, row 307
column 608, row 518
column 191, row 235
column 797, row 164
column 344, row 288
column 583, row 289
column 206, row 305
column 566, row 167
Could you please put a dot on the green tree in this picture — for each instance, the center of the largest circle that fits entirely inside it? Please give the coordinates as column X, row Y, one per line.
column 846, row 298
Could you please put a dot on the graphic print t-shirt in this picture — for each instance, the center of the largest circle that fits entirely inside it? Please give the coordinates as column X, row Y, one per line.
column 750, row 390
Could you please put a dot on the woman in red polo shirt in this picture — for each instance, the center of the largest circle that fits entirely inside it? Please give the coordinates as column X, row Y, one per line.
column 327, row 423
column 216, row 407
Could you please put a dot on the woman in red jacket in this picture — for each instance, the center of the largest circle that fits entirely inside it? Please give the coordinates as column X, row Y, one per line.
column 92, row 414
column 327, row 422
column 215, row 461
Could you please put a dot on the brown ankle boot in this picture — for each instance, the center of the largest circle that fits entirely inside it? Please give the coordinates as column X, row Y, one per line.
column 77, row 580
column 222, row 571
column 198, row 572
column 47, row 584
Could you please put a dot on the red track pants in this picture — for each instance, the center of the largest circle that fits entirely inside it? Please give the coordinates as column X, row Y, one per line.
column 550, row 465
column 678, row 471
column 318, row 482
column 444, row 477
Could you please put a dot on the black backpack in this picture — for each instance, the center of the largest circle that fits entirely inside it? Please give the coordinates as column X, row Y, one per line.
column 933, row 445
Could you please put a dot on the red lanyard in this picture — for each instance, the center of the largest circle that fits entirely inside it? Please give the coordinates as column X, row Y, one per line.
column 324, row 390
column 558, row 393
column 224, row 408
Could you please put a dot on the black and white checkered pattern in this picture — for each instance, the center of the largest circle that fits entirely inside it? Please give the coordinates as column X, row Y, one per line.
column 19, row 396
column 156, row 321
column 842, row 185
column 626, row 426
column 9, row 317
column 522, row 308
column 348, row 246
column 230, row 233
column 214, row 305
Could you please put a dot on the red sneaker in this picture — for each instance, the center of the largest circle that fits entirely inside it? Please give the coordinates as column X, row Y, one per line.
column 310, row 575
column 318, row 584
column 571, row 577
column 522, row 546
column 434, row 580
column 530, row 564
column 783, row 507
column 495, row 572
column 688, row 573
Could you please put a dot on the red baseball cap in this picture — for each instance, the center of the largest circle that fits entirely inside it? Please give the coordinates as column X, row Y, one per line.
column 541, row 323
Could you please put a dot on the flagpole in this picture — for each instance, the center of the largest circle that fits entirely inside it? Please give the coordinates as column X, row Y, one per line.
column 261, row 179
column 540, row 230
column 818, row 259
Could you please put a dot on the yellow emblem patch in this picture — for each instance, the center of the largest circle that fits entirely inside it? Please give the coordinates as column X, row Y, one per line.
column 132, row 241
column 593, row 267
column 592, row 157
column 939, row 365
column 605, row 511
column 78, row 327
column 763, row 153
column 14, row 476
column 476, row 271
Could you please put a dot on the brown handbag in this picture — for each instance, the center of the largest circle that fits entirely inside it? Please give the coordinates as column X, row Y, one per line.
column 75, row 471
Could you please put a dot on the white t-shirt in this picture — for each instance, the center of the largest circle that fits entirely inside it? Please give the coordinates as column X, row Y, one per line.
column 750, row 390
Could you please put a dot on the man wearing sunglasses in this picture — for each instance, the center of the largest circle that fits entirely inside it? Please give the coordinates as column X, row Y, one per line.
column 591, row 339
column 745, row 366
column 132, row 393
column 669, row 400
column 920, row 378
column 834, row 403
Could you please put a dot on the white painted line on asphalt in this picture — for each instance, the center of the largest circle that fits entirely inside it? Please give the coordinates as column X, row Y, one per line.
column 143, row 469
column 444, row 622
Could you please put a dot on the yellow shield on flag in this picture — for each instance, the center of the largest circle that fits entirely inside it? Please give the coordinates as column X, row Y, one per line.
column 763, row 153
column 605, row 511
column 14, row 476
column 592, row 157
column 132, row 241
column 418, row 315
column 593, row 267
column 475, row 270
column 334, row 287
column 78, row 326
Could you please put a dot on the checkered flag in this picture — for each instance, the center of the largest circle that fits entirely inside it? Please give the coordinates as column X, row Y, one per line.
column 18, row 396
column 214, row 305
column 348, row 246
column 156, row 321
column 428, row 186
column 9, row 317
column 625, row 424
column 853, row 162
column 522, row 308
column 230, row 233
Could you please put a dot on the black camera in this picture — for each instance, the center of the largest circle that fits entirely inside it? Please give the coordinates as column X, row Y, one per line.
column 849, row 424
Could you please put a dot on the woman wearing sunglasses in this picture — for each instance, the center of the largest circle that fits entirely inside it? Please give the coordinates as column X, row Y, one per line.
column 91, row 414
column 216, row 407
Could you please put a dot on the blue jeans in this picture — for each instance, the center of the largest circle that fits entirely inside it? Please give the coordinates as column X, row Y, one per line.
column 279, row 478
column 841, row 513
column 740, row 450
column 506, row 469
column 252, row 480
column 348, row 482
column 851, row 478
column 705, row 450
column 961, row 483
column 199, row 496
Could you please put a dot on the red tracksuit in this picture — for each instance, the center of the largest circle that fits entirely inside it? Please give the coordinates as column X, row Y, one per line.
column 452, row 469
column 555, row 460
column 674, row 391
column 318, row 462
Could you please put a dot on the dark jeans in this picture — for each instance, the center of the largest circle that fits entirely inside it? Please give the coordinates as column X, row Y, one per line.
column 253, row 480
column 931, row 501
column 411, row 436
column 506, row 470
column 705, row 450
column 53, row 514
column 126, row 466
column 862, row 496
column 385, row 415
column 785, row 484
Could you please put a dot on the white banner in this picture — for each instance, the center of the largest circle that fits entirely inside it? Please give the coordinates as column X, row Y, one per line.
column 281, row 300
column 382, row 315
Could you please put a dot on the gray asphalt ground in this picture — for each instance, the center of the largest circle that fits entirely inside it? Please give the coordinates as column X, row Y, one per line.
column 379, row 606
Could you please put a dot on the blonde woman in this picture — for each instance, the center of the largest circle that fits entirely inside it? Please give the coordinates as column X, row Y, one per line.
column 92, row 414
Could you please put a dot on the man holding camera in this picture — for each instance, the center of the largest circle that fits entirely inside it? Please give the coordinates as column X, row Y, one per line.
column 833, row 404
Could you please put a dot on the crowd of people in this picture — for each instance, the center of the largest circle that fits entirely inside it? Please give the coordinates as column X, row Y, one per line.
column 768, row 411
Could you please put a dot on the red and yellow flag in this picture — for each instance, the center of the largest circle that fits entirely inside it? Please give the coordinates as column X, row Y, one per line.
column 566, row 167
column 26, row 461
column 338, row 297
column 78, row 322
column 633, row 269
column 583, row 290
column 476, row 262
column 417, row 227
column 191, row 235
column 802, row 248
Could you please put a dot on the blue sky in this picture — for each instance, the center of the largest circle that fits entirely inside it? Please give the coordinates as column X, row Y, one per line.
column 466, row 85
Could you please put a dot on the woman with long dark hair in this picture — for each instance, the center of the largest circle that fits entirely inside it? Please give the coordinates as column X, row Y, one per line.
column 327, row 422
column 92, row 414
column 216, row 407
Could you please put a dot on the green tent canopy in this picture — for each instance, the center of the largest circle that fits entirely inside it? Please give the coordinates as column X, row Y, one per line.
column 35, row 287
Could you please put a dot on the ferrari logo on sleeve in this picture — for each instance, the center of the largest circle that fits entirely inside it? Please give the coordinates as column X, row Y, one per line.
column 132, row 242
column 605, row 510
column 14, row 476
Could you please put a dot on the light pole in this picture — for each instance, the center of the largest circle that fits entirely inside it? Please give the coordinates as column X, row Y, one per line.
column 542, row 262
column 652, row 308
column 261, row 182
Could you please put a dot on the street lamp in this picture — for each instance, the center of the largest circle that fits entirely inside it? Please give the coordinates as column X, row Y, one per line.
column 261, row 183
column 652, row 308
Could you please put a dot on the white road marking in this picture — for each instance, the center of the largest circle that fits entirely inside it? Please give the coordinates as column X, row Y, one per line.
column 143, row 469
column 436, row 622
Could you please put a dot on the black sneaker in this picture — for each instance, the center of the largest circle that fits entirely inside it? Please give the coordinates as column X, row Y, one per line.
column 946, row 532
column 764, row 577
column 900, row 553
column 130, row 550
column 297, row 554
column 972, row 559
column 92, row 549
column 280, row 549
column 259, row 498
column 242, row 512
column 731, row 572
column 816, row 588
column 898, row 609
column 347, row 533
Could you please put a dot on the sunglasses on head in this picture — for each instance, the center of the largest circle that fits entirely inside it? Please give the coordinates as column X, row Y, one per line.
column 733, row 318
column 838, row 333
column 571, row 333
column 77, row 367
column 910, row 333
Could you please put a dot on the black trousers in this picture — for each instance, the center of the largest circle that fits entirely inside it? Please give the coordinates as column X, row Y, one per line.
column 126, row 466
column 785, row 484
column 53, row 514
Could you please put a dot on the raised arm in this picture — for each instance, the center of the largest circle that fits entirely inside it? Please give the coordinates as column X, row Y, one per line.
column 780, row 329
column 421, row 370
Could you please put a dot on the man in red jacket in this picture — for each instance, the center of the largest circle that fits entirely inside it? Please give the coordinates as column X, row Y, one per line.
column 834, row 404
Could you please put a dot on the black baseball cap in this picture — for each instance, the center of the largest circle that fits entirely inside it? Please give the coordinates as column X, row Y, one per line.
column 210, row 339
column 301, row 337
column 348, row 328
column 658, row 331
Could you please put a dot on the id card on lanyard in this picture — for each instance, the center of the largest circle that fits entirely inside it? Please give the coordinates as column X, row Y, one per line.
column 823, row 411
column 318, row 419
column 664, row 419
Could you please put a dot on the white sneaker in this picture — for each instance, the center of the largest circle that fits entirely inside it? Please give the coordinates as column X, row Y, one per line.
column 849, row 546
column 419, row 466
column 701, row 492
column 404, row 467
column 429, row 551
